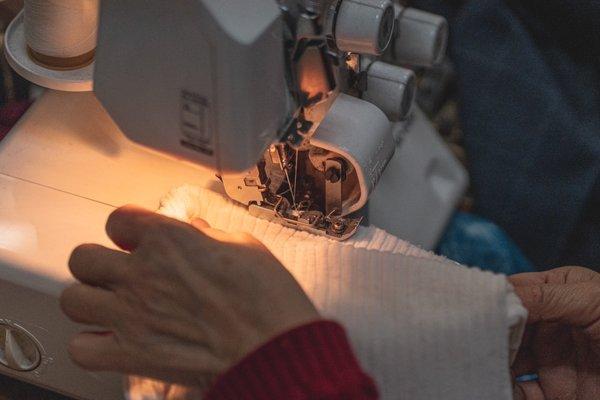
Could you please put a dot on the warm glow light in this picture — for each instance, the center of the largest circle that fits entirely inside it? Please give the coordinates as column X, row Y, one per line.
column 312, row 74
column 18, row 237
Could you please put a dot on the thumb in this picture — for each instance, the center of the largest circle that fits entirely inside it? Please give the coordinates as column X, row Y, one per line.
column 575, row 304
column 212, row 233
column 200, row 224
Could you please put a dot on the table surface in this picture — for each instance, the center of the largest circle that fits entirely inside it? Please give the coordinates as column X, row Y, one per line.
column 15, row 390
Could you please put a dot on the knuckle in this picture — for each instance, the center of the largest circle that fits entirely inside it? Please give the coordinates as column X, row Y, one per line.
column 133, row 332
column 153, row 231
column 557, row 276
column 149, row 263
column 153, row 241
column 579, row 269
column 548, row 296
column 128, row 297
column 143, row 255
column 76, row 356
column 83, row 357
column 161, row 233
column 69, row 298
column 536, row 295
column 127, row 276
column 575, row 274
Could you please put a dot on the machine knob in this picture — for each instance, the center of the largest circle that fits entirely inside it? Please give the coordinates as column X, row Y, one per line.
column 18, row 350
column 364, row 26
column 421, row 38
column 391, row 88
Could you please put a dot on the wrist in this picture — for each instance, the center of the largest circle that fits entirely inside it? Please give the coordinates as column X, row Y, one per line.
column 302, row 363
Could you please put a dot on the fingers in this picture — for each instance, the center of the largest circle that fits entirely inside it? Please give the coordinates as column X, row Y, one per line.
column 88, row 305
column 99, row 266
column 555, row 276
column 568, row 295
column 127, row 225
column 99, row 352
column 104, row 352
column 576, row 304
column 528, row 279
column 221, row 236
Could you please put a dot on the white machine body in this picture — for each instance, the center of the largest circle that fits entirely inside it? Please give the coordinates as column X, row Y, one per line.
column 203, row 81
column 281, row 105
column 287, row 101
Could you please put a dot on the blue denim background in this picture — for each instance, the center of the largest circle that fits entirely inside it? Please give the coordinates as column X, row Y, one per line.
column 476, row 242
column 529, row 87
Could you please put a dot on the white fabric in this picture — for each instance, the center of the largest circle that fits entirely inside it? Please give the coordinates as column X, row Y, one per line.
column 423, row 327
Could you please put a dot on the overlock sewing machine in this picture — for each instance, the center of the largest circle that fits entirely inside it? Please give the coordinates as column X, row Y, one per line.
column 300, row 110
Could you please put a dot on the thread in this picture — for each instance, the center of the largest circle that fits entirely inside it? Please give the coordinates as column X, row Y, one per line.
column 61, row 34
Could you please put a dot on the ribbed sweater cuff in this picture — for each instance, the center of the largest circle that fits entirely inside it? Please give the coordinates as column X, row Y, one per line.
column 308, row 362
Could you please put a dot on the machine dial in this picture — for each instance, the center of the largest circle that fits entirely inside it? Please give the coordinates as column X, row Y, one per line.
column 18, row 349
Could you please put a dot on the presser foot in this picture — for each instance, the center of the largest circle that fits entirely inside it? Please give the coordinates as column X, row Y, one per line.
column 315, row 222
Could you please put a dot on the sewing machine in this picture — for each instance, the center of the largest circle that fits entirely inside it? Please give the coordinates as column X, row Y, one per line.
column 300, row 111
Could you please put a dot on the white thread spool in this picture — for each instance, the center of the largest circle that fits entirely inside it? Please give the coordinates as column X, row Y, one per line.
column 61, row 34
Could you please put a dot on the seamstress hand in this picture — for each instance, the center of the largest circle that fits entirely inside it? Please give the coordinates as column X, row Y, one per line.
column 562, row 342
column 181, row 303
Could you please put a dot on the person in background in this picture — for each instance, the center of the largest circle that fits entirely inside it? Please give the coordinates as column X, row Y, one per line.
column 195, row 306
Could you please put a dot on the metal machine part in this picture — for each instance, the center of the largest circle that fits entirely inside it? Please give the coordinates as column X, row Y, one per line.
column 330, row 158
column 287, row 100
column 321, row 187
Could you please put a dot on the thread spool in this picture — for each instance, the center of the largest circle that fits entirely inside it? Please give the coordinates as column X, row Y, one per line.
column 61, row 34
column 364, row 26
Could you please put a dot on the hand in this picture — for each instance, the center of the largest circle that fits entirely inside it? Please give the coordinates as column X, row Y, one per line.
column 562, row 342
column 182, row 303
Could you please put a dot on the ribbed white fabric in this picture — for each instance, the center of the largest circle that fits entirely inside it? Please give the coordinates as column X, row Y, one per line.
column 423, row 327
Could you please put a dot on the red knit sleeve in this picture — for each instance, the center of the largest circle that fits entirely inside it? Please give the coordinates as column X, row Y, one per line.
column 314, row 361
